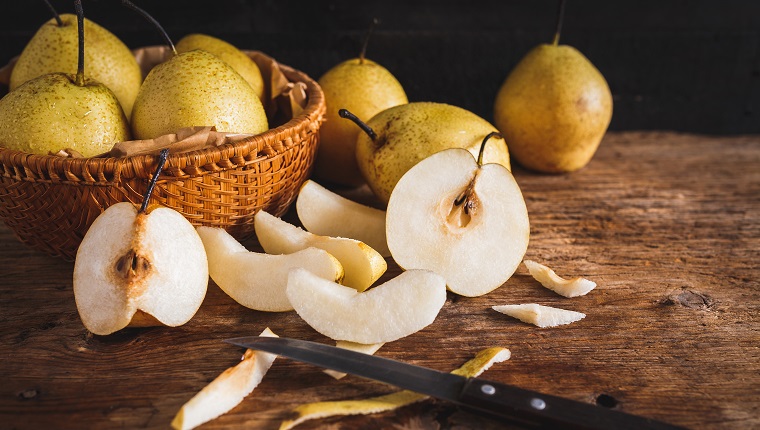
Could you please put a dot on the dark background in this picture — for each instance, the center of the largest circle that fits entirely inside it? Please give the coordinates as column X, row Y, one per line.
column 691, row 66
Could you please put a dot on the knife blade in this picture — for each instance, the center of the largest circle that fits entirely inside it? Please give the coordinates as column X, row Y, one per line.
column 508, row 403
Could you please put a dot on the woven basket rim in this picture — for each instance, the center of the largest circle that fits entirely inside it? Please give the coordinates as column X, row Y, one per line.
column 28, row 166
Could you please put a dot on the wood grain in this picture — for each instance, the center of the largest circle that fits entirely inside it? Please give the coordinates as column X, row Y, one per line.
column 666, row 224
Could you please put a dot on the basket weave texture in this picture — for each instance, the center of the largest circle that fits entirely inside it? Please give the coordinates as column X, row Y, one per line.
column 50, row 202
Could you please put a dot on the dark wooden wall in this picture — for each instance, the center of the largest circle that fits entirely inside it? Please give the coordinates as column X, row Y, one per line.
column 671, row 64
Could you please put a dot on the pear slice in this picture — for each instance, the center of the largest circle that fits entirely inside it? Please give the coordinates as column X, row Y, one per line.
column 402, row 306
column 133, row 262
column 462, row 220
column 362, row 264
column 257, row 280
column 541, row 316
column 326, row 213
column 353, row 346
column 564, row 287
column 227, row 390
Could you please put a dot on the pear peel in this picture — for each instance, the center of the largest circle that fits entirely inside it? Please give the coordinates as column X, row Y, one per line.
column 539, row 315
column 574, row 287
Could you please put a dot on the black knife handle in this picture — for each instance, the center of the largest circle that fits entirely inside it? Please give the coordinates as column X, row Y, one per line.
column 537, row 410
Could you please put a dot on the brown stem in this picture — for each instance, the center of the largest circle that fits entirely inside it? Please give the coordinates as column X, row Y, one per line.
column 344, row 113
column 54, row 12
column 483, row 145
column 560, row 18
column 153, row 21
column 161, row 161
column 80, row 32
column 366, row 40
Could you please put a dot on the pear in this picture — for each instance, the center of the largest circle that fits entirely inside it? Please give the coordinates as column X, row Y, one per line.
column 228, row 53
column 398, row 138
column 365, row 88
column 194, row 88
column 554, row 108
column 59, row 110
column 54, row 49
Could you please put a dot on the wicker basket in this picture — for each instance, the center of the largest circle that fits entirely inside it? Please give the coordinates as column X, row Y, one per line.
column 49, row 202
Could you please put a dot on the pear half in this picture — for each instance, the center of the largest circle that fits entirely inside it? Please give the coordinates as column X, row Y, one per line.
column 362, row 264
column 257, row 280
column 402, row 306
column 462, row 220
column 326, row 213
column 139, row 265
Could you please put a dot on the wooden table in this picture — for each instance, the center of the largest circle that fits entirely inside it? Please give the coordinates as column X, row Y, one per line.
column 666, row 224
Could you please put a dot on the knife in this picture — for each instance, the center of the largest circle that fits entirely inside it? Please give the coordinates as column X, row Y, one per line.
column 527, row 408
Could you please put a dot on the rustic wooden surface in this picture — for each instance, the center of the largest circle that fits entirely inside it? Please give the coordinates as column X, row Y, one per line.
column 666, row 224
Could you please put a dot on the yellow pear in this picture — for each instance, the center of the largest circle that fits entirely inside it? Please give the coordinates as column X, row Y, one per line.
column 228, row 53
column 553, row 109
column 54, row 49
column 365, row 88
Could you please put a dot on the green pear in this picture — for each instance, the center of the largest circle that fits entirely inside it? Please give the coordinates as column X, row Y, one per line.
column 196, row 88
column 553, row 109
column 228, row 53
column 399, row 137
column 54, row 49
column 365, row 88
column 59, row 110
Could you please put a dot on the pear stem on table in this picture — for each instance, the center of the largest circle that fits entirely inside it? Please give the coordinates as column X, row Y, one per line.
column 153, row 21
column 80, row 32
column 161, row 161
column 344, row 113
column 55, row 13
column 366, row 40
column 483, row 145
column 560, row 18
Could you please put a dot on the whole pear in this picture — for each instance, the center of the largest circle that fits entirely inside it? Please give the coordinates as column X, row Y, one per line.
column 407, row 134
column 228, row 53
column 196, row 88
column 54, row 49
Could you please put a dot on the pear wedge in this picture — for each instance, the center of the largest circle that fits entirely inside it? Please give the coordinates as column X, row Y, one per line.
column 402, row 306
column 362, row 264
column 257, row 280
column 539, row 315
column 326, row 213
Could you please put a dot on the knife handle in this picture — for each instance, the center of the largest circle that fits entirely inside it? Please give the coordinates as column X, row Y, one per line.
column 532, row 409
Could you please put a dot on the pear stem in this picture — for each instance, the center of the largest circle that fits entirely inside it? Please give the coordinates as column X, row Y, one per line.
column 161, row 161
column 55, row 13
column 80, row 32
column 366, row 40
column 483, row 145
column 560, row 18
column 153, row 21
column 344, row 113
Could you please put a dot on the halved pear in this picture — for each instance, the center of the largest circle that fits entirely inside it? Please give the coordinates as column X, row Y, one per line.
column 402, row 306
column 564, row 287
column 462, row 220
column 362, row 264
column 257, row 280
column 539, row 315
column 132, row 263
column 227, row 390
column 326, row 213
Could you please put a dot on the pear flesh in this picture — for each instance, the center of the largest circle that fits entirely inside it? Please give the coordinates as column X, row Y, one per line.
column 132, row 262
column 257, row 280
column 409, row 133
column 196, row 89
column 554, row 109
column 365, row 88
column 228, row 53
column 469, row 223
column 55, row 49
column 52, row 112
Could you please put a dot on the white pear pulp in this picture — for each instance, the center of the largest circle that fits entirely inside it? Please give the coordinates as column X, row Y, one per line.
column 168, row 283
column 401, row 306
column 257, row 280
column 477, row 251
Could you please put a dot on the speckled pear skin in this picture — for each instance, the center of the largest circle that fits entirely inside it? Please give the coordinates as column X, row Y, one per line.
column 409, row 133
column 228, row 53
column 196, row 89
column 365, row 89
column 52, row 112
column 55, row 49
column 553, row 109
